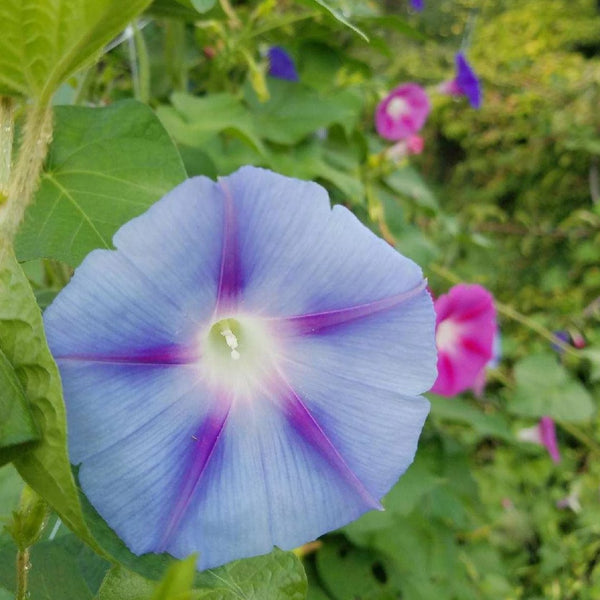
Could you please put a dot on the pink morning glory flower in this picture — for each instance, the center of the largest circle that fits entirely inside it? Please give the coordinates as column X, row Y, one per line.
column 244, row 371
column 544, row 433
column 403, row 112
column 464, row 336
column 465, row 83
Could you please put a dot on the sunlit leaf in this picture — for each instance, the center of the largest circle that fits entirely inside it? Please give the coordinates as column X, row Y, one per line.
column 42, row 43
column 46, row 466
column 16, row 423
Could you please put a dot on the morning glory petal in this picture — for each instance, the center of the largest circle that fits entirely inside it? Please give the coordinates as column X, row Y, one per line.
column 298, row 256
column 147, row 308
column 136, row 482
column 401, row 368
column 102, row 394
column 265, row 486
column 378, row 446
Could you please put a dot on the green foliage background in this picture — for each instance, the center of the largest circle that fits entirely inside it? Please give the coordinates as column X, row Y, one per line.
column 507, row 196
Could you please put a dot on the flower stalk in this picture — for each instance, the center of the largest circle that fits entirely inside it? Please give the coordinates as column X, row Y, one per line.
column 23, row 566
column 7, row 130
column 24, row 177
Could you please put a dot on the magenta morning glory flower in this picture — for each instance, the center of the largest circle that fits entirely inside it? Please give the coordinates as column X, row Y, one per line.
column 544, row 433
column 465, row 331
column 465, row 83
column 281, row 64
column 244, row 370
column 402, row 112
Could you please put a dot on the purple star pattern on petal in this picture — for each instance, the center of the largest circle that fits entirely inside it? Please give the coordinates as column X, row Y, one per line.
column 281, row 64
column 244, row 371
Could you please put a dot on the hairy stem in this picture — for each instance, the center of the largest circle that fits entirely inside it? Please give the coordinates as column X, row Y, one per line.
column 24, row 178
column 23, row 566
column 7, row 128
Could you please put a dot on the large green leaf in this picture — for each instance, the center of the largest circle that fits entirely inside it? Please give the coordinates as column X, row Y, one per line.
column 16, row 423
column 460, row 410
column 544, row 387
column 408, row 182
column 105, row 166
column 192, row 121
column 121, row 584
column 275, row 576
column 295, row 111
column 335, row 10
column 46, row 466
column 43, row 42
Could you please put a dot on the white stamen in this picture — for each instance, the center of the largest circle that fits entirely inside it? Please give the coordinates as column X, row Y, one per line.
column 397, row 107
column 232, row 342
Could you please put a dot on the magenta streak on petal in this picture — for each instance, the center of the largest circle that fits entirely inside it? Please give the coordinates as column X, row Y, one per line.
column 204, row 443
column 229, row 276
column 311, row 323
column 164, row 355
column 307, row 427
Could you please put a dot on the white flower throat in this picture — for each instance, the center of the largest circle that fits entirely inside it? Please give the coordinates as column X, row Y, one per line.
column 238, row 354
column 397, row 107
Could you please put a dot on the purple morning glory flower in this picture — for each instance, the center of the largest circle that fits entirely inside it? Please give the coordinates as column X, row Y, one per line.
column 244, row 370
column 544, row 433
column 465, row 83
column 281, row 64
column 417, row 5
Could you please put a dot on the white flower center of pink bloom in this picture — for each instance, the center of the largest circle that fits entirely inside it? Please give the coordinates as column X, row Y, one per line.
column 237, row 355
column 447, row 335
column 397, row 107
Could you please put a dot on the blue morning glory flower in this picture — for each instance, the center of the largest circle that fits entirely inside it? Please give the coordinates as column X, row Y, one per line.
column 417, row 5
column 244, row 370
column 465, row 83
column 467, row 80
column 281, row 64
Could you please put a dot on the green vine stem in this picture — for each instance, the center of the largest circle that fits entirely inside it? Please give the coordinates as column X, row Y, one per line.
column 23, row 181
column 143, row 63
